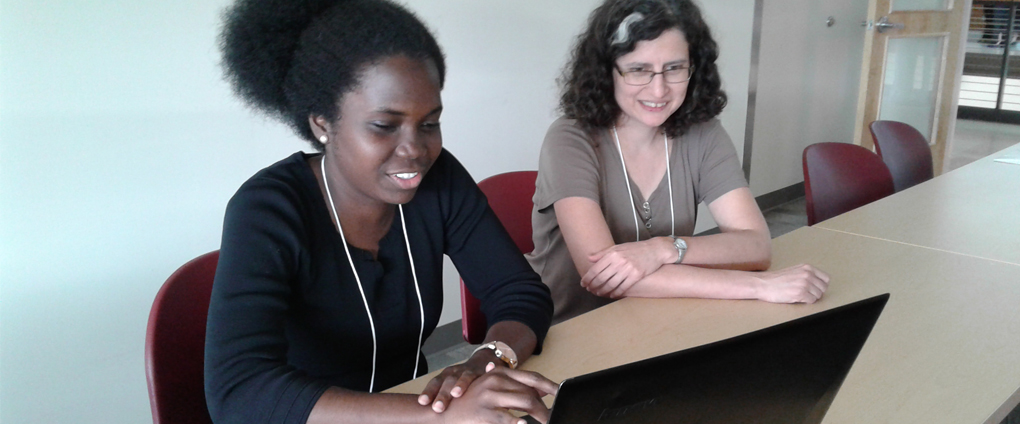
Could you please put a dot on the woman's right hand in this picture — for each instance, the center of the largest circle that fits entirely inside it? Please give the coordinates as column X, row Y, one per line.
column 617, row 268
column 797, row 284
column 490, row 396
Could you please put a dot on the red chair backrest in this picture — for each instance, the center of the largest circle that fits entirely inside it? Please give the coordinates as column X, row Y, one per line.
column 175, row 344
column 905, row 152
column 839, row 177
column 510, row 197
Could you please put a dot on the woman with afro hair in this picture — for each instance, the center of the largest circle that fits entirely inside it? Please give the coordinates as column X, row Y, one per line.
column 622, row 172
column 330, row 269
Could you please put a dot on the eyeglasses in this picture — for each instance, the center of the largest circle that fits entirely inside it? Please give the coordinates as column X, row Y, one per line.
column 672, row 75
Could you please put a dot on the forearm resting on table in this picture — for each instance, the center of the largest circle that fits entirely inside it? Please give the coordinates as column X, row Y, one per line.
column 744, row 242
column 746, row 250
column 797, row 284
column 342, row 406
column 337, row 406
column 696, row 282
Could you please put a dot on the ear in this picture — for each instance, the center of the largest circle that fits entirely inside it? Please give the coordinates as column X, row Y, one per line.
column 320, row 126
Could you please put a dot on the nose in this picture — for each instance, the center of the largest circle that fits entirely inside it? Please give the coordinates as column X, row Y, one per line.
column 659, row 86
column 411, row 146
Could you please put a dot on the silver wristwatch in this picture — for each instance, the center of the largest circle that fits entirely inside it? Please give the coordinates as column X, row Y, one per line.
column 502, row 351
column 681, row 248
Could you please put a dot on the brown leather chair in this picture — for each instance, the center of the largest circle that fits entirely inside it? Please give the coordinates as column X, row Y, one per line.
column 839, row 177
column 905, row 152
column 510, row 197
column 175, row 344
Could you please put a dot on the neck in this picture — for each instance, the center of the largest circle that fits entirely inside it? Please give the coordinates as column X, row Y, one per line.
column 356, row 213
column 636, row 134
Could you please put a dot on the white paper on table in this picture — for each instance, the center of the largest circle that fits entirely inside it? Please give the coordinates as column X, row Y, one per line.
column 1011, row 158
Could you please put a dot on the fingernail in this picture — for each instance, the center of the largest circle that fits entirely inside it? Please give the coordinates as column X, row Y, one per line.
column 522, row 422
column 490, row 366
column 456, row 392
column 438, row 406
column 423, row 400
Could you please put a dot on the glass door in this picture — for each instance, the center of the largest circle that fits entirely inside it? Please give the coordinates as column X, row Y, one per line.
column 911, row 56
column 990, row 85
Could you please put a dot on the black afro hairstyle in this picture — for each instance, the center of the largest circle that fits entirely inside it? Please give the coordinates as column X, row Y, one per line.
column 587, row 93
column 292, row 59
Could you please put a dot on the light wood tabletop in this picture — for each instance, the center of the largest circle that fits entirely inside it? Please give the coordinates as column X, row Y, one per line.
column 946, row 349
column 973, row 210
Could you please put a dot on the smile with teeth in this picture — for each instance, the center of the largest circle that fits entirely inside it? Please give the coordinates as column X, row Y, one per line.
column 406, row 175
column 653, row 105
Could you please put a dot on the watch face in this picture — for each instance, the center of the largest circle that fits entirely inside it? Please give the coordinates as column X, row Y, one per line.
column 681, row 248
column 506, row 354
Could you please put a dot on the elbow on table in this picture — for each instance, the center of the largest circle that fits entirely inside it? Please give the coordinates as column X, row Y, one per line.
column 764, row 259
column 762, row 265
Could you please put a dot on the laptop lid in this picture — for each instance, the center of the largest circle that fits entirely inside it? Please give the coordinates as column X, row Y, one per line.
column 787, row 373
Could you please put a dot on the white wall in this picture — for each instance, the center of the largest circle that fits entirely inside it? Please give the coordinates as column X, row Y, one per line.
column 808, row 75
column 120, row 145
column 732, row 23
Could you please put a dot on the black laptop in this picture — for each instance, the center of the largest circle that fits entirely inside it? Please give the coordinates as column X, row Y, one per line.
column 788, row 373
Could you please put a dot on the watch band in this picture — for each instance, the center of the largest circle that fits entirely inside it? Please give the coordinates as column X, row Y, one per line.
column 681, row 248
column 502, row 351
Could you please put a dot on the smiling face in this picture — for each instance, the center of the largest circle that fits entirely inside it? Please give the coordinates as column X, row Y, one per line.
column 388, row 133
column 650, row 105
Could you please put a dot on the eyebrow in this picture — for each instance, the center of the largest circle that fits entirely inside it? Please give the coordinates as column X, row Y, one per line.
column 394, row 112
column 649, row 65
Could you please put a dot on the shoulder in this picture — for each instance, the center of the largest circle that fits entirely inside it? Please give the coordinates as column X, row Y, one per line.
column 565, row 130
column 566, row 139
column 446, row 181
column 284, row 184
column 708, row 139
column 706, row 132
column 272, row 216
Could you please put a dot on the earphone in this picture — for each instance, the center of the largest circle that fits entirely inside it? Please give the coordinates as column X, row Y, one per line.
column 669, row 180
column 361, row 289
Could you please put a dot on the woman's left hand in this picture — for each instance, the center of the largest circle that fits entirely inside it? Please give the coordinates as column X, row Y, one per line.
column 454, row 380
column 616, row 268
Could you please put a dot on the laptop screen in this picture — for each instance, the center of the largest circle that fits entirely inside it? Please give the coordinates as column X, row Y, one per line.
column 788, row 373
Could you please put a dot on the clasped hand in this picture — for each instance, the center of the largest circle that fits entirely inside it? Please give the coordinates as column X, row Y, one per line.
column 485, row 391
column 617, row 268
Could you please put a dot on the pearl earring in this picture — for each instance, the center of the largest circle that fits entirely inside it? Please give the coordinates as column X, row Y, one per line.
column 323, row 139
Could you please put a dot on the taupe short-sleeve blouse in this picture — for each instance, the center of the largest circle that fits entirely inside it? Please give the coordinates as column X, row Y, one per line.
column 574, row 163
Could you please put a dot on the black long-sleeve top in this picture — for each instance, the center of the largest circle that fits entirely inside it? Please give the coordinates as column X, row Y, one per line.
column 287, row 320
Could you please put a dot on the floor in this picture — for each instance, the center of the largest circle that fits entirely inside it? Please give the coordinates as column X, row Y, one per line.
column 972, row 140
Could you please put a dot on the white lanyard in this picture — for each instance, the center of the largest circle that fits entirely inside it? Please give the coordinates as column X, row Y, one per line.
column 669, row 180
column 417, row 289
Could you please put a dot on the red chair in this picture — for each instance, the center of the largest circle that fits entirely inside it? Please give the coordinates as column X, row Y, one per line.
column 510, row 197
column 905, row 151
column 175, row 344
column 839, row 177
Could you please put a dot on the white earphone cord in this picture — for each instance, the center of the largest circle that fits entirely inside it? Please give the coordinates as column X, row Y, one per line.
column 669, row 181
column 417, row 289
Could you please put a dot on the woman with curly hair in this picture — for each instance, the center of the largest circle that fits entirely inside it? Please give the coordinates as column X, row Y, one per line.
column 330, row 268
column 622, row 172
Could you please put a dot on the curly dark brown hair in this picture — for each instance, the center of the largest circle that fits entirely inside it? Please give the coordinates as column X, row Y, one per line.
column 587, row 81
column 292, row 59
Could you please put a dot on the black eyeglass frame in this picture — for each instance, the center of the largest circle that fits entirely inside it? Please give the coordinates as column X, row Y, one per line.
column 690, row 74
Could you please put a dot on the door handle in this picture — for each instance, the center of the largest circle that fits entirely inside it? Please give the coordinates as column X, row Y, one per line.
column 883, row 25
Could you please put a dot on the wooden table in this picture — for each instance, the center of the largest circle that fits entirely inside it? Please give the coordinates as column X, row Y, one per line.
column 946, row 349
column 973, row 210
